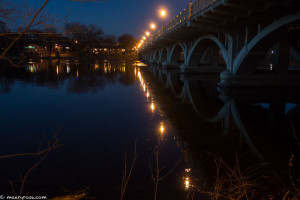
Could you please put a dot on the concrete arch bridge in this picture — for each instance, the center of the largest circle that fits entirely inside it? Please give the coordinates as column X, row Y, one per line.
column 249, row 42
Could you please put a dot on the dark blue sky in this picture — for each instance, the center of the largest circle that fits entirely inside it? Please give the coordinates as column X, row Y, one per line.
column 115, row 16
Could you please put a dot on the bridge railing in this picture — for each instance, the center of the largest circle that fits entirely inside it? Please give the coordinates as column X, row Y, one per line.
column 200, row 5
column 197, row 7
column 182, row 17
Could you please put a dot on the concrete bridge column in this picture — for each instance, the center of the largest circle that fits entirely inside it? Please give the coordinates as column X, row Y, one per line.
column 155, row 57
column 281, row 57
column 185, row 67
column 148, row 57
column 176, row 56
column 165, row 53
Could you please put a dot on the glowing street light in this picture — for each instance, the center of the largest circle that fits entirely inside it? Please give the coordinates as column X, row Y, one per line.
column 152, row 26
column 147, row 33
column 163, row 13
column 144, row 38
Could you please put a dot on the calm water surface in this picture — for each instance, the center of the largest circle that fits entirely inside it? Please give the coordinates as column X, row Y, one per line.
column 99, row 109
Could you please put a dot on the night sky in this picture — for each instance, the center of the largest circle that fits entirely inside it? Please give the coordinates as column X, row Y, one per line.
column 115, row 16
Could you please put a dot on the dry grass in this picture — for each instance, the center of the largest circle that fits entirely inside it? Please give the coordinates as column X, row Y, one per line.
column 126, row 173
column 156, row 170
column 231, row 182
column 293, row 192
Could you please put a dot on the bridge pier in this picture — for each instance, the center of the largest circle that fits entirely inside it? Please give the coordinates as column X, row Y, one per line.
column 204, row 69
column 166, row 65
column 227, row 79
column 281, row 56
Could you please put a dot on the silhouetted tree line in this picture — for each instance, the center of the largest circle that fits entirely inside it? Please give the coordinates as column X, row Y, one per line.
column 80, row 38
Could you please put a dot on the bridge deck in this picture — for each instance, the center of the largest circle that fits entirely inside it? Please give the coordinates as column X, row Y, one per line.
column 220, row 15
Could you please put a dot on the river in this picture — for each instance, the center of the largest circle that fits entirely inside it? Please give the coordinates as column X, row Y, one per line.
column 203, row 139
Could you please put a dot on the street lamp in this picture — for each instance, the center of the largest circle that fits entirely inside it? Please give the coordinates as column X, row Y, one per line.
column 163, row 14
column 190, row 9
column 152, row 26
column 147, row 33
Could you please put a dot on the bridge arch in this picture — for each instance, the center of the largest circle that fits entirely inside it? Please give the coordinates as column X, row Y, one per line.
column 152, row 55
column 163, row 55
column 263, row 34
column 147, row 56
column 177, row 54
column 212, row 38
column 156, row 56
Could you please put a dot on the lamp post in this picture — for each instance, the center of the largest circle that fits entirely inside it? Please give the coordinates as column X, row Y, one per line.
column 163, row 14
column 190, row 9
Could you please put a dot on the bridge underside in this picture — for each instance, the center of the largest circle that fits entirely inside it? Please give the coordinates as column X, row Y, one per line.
column 249, row 43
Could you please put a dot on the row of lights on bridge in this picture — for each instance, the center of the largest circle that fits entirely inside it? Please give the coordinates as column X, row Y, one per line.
column 163, row 13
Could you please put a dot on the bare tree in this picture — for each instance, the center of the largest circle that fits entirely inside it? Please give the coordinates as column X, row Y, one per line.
column 26, row 21
column 6, row 9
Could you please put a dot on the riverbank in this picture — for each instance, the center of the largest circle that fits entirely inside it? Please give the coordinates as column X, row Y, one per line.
column 21, row 60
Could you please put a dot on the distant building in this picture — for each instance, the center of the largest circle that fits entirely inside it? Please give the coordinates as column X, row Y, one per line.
column 42, row 51
column 34, row 50
column 109, row 51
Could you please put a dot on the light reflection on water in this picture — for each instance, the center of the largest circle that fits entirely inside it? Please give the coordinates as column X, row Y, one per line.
column 99, row 109
column 218, row 123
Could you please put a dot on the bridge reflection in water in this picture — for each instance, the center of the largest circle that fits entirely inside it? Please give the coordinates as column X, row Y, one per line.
column 257, row 125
